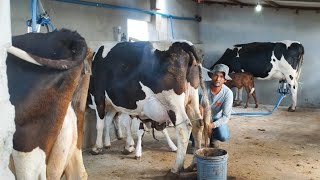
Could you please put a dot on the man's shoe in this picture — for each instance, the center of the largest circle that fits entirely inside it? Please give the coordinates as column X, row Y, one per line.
column 190, row 150
column 214, row 144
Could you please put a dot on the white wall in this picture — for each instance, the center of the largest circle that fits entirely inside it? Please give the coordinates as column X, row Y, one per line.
column 7, row 126
column 96, row 24
column 222, row 27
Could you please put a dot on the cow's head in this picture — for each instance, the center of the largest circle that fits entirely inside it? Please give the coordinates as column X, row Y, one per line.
column 193, row 61
column 194, row 79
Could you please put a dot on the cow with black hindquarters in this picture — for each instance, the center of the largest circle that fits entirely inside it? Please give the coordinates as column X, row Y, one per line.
column 48, row 79
column 141, row 81
column 268, row 60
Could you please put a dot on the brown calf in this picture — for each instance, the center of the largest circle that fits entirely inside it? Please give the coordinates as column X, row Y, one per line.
column 246, row 80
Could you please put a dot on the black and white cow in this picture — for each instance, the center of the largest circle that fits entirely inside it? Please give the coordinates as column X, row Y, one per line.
column 268, row 60
column 139, row 80
column 118, row 119
column 49, row 97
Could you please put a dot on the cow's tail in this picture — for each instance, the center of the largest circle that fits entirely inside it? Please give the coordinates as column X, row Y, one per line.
column 252, row 90
column 153, row 135
column 299, row 67
column 252, row 83
column 207, row 111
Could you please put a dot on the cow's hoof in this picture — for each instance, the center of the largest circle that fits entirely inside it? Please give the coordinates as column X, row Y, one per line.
column 126, row 152
column 172, row 175
column 256, row 106
column 245, row 106
column 191, row 168
column 119, row 135
column 138, row 158
column 96, row 151
column 291, row 110
column 174, row 149
column 107, row 147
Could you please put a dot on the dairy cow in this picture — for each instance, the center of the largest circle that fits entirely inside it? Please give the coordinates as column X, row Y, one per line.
column 141, row 81
column 49, row 97
column 268, row 60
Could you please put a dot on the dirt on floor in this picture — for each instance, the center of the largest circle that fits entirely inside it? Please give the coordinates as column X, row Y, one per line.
column 284, row 145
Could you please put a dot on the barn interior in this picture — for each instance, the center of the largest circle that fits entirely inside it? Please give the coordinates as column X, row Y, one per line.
column 281, row 145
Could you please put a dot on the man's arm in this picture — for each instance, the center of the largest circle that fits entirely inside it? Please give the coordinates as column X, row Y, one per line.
column 226, row 110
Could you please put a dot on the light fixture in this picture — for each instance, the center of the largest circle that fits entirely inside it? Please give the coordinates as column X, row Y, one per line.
column 258, row 8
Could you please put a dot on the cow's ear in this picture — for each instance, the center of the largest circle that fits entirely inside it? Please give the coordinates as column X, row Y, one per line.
column 192, row 61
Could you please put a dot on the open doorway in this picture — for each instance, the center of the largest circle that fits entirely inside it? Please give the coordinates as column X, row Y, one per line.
column 137, row 30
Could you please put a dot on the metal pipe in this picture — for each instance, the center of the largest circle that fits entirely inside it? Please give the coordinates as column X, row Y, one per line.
column 109, row 6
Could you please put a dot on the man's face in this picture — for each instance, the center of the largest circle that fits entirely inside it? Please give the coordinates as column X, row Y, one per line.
column 218, row 79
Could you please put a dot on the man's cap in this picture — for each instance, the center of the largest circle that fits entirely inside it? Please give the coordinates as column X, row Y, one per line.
column 220, row 68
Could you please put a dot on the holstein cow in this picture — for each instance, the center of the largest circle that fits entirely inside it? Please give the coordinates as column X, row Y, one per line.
column 49, row 100
column 129, row 147
column 139, row 80
column 268, row 60
column 107, row 121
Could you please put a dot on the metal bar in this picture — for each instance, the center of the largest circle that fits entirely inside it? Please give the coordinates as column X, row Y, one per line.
column 272, row 3
column 264, row 5
column 109, row 6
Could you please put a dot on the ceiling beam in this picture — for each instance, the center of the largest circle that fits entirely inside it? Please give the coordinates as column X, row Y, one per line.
column 264, row 5
column 237, row 2
column 272, row 3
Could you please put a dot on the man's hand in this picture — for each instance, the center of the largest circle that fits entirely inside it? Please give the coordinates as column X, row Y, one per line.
column 212, row 126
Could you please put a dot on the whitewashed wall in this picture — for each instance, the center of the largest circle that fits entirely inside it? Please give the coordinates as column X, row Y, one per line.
column 7, row 126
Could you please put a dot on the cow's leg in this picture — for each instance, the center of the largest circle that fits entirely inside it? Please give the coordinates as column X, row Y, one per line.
column 30, row 165
column 236, row 95
column 97, row 149
column 140, row 132
column 170, row 143
column 248, row 96
column 197, row 132
column 183, row 131
column 75, row 168
column 129, row 147
column 255, row 98
column 155, row 110
column 108, row 121
column 239, row 98
column 294, row 93
column 116, row 122
column 63, row 147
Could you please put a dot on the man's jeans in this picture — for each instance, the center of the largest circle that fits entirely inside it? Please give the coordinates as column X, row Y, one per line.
column 221, row 133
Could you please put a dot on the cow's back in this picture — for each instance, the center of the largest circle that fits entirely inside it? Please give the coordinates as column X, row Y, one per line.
column 128, row 66
column 256, row 57
column 42, row 94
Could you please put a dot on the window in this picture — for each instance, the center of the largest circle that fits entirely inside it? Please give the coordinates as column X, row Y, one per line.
column 137, row 30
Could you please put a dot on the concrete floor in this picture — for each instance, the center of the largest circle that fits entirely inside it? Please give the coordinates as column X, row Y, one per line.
column 281, row 146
